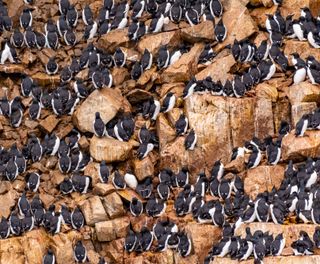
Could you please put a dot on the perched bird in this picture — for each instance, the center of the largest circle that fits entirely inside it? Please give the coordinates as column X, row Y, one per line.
column 80, row 252
column 220, row 31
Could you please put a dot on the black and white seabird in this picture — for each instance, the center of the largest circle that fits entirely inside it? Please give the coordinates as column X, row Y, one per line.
column 80, row 252
column 33, row 181
column 118, row 181
column 277, row 245
column 66, row 186
column 181, row 125
column 87, row 15
column 190, row 87
column 70, row 37
column 52, row 67
column 119, row 57
column 77, row 218
column 35, row 109
column 17, row 38
column 136, row 207
column 300, row 73
column 63, row 6
column 26, row 18
column 175, row 13
column 163, row 59
column 255, row 158
column 15, row 224
column 146, row 60
column 130, row 241
column 49, row 257
column 72, row 16
column 168, row 102
column 136, row 71
column 81, row 183
column 191, row 140
column 302, row 125
column 220, row 31
column 23, row 204
column 4, row 228
column 99, row 127
column 144, row 150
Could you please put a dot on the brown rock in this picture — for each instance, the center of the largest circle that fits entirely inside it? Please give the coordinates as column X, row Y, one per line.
column 236, row 166
column 62, row 245
column 165, row 132
column 114, row 39
column 201, row 241
column 237, row 20
column 303, row 92
column 12, row 68
column 201, row 32
column 241, row 119
column 113, row 205
column 92, row 169
column 219, row 68
column 183, row 69
column 110, row 230
column 263, row 178
column 119, row 75
column 93, row 211
column 138, row 95
column 143, row 168
column 11, row 251
column 267, row 91
column 128, row 194
column 50, row 123
column 44, row 79
column 103, row 189
column 301, row 47
column 299, row 148
column 109, row 149
column 106, row 101
column 281, row 111
column 114, row 250
column 298, row 110
column 263, row 118
column 7, row 201
column 146, row 76
column 153, row 42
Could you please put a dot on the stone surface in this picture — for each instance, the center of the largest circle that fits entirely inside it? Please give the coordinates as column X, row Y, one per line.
column 183, row 69
column 143, row 168
column 263, row 178
column 303, row 92
column 299, row 148
column 263, row 122
column 219, row 68
column 7, row 201
column 44, row 79
column 109, row 149
column 153, row 42
column 201, row 32
column 113, row 205
column 110, row 230
column 105, row 101
column 114, row 39
column 49, row 124
column 298, row 110
column 93, row 211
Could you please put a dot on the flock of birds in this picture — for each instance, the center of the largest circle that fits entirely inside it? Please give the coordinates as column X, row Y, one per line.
column 217, row 199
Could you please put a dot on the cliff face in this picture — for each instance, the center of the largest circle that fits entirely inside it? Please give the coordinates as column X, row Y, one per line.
column 220, row 123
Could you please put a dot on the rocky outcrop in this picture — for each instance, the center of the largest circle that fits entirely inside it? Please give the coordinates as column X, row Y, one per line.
column 112, row 229
column 201, row 32
column 93, row 211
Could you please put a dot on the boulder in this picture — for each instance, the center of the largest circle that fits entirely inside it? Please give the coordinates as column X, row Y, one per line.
column 300, row 47
column 299, row 109
column 263, row 178
column 93, row 211
column 49, row 124
column 263, row 122
column 12, row 68
column 143, row 168
column 153, row 42
column 44, row 79
column 62, row 245
column 109, row 149
column 267, row 91
column 183, row 69
column 105, row 101
column 113, row 205
column 281, row 111
column 201, row 32
column 300, row 148
column 219, row 68
column 7, row 201
column 303, row 92
column 165, row 132
column 237, row 20
column 112, row 229
column 114, row 250
column 103, row 189
column 114, row 39
column 201, row 240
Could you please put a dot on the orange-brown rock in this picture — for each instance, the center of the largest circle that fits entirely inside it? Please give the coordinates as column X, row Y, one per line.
column 12, row 68
column 201, row 32
column 114, row 250
column 303, row 92
column 219, row 69
column 299, row 148
column 143, row 168
column 165, row 132
column 49, row 124
column 267, row 91
column 299, row 109
column 112, row 229
column 183, row 69
column 44, row 79
column 93, row 211
column 263, row 178
column 7, row 201
column 109, row 149
column 263, row 118
column 105, row 101
column 113, row 205
column 103, row 189
column 300, row 47
column 153, row 42
column 114, row 39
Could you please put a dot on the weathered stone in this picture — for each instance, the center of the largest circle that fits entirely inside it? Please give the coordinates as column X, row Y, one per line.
column 106, row 101
column 298, row 110
column 109, row 149
column 119, row 75
column 113, row 205
column 263, row 178
column 7, row 201
column 303, row 92
column 201, row 240
column 143, row 168
column 44, row 79
column 153, row 42
column 300, row 47
column 103, row 189
column 110, row 230
column 263, row 118
column 201, row 32
column 114, row 39
column 114, row 250
column 12, row 68
column 237, row 20
column 267, row 91
column 236, row 166
column 241, row 120
column 93, row 211
column 299, row 148
column 165, row 132
column 50, row 123
column 281, row 111
column 183, row 69
column 219, row 68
